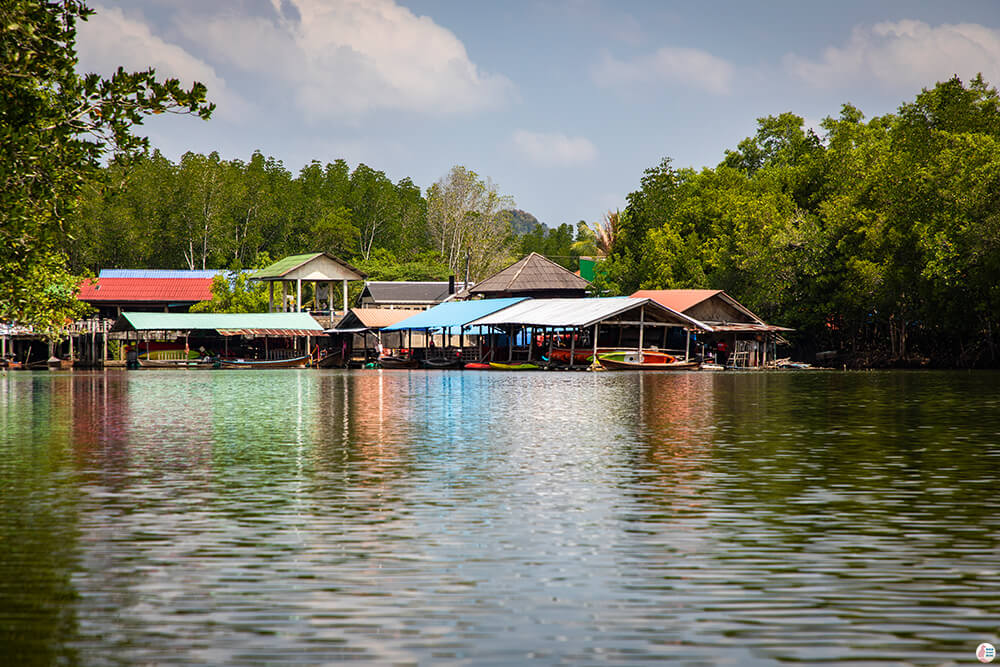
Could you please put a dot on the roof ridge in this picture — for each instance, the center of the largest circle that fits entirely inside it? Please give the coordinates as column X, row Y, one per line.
column 523, row 263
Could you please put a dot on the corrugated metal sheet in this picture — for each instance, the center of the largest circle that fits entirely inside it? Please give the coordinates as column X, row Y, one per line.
column 284, row 265
column 157, row 273
column 377, row 318
column 146, row 290
column 573, row 313
column 677, row 299
column 277, row 323
column 453, row 314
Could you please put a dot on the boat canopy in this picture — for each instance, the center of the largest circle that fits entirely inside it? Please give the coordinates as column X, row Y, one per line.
column 454, row 314
column 577, row 313
column 227, row 324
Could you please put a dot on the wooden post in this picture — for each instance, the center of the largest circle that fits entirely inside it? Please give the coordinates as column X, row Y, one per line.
column 595, row 362
column 572, row 349
column 298, row 295
column 345, row 295
column 71, row 345
column 687, row 346
column 284, row 298
column 270, row 296
column 551, row 338
column 642, row 328
column 531, row 342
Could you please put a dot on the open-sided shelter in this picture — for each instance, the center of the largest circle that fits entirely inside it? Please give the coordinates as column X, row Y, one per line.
column 319, row 268
column 598, row 323
column 264, row 335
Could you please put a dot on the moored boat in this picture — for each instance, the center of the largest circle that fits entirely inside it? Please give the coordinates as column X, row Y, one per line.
column 294, row 362
column 442, row 362
column 178, row 363
column 476, row 366
column 514, row 366
column 622, row 362
column 561, row 355
column 397, row 362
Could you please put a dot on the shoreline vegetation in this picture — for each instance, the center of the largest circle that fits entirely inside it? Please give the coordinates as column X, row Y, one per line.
column 877, row 241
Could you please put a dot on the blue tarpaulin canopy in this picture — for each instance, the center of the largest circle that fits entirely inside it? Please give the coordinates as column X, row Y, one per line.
column 453, row 314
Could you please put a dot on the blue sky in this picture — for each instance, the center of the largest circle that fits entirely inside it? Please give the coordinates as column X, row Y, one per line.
column 561, row 103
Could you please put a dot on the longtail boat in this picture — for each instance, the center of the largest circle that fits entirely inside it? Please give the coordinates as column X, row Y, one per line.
column 397, row 362
column 178, row 363
column 442, row 362
column 295, row 362
column 561, row 355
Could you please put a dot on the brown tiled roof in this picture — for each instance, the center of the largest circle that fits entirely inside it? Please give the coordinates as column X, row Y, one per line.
column 534, row 272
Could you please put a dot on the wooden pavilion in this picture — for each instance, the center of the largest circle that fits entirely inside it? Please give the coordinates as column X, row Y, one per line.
column 320, row 268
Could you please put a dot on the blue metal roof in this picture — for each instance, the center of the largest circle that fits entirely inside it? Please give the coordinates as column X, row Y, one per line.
column 157, row 273
column 453, row 314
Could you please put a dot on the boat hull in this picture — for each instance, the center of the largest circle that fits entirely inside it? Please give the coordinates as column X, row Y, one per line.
column 176, row 364
column 296, row 362
column 397, row 362
column 497, row 366
column 612, row 364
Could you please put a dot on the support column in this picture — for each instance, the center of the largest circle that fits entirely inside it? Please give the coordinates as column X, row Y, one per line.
column 298, row 295
column 284, row 298
column 572, row 348
column 595, row 363
column 687, row 346
column 642, row 328
column 270, row 296
column 345, row 295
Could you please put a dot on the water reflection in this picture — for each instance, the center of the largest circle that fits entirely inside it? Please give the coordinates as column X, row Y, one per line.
column 303, row 517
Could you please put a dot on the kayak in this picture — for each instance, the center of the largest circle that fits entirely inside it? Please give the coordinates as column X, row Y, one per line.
column 514, row 366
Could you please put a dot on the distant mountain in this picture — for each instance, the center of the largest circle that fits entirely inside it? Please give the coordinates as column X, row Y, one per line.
column 522, row 222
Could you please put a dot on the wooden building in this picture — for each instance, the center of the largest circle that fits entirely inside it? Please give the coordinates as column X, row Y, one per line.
column 739, row 338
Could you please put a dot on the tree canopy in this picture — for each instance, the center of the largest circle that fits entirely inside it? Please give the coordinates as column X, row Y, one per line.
column 55, row 128
column 880, row 238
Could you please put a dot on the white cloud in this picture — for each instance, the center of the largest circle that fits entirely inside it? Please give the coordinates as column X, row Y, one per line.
column 554, row 149
column 110, row 39
column 347, row 57
column 904, row 54
column 691, row 67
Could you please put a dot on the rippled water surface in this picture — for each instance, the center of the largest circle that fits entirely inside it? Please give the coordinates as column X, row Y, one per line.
column 398, row 517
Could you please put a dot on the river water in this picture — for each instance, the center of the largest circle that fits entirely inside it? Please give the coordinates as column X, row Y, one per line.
column 448, row 517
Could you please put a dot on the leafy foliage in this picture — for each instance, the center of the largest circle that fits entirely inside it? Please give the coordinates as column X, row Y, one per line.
column 881, row 238
column 55, row 127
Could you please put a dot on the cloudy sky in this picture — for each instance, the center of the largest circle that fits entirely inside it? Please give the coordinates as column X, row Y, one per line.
column 562, row 103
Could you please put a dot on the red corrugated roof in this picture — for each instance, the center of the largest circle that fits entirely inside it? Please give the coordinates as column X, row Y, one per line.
column 676, row 299
column 146, row 290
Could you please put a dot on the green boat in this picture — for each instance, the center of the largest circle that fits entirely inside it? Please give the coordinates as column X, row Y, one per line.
column 514, row 366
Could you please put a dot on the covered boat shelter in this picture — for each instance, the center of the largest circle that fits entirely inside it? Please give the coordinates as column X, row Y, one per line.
column 349, row 340
column 598, row 323
column 449, row 319
column 273, row 335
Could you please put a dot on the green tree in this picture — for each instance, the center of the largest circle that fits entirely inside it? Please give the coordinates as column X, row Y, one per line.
column 55, row 128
